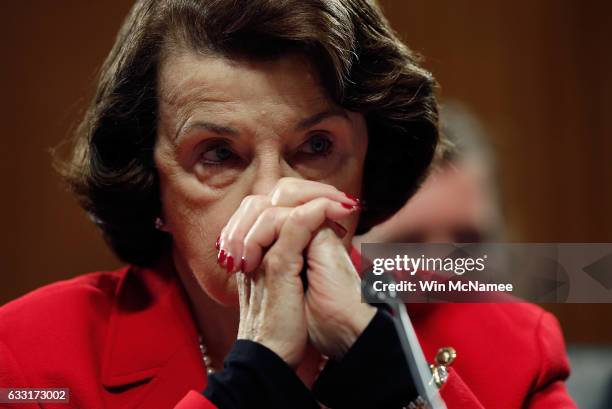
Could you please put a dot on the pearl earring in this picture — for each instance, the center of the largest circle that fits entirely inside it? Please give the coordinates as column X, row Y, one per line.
column 159, row 223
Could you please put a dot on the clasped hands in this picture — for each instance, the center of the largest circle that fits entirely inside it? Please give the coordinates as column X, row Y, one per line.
column 268, row 242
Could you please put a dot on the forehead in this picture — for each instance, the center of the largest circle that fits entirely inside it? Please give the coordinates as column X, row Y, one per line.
column 189, row 79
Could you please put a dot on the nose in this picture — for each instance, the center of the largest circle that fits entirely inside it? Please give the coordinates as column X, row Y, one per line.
column 270, row 168
column 266, row 177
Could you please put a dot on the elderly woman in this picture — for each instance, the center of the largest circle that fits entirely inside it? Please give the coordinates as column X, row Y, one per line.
column 223, row 156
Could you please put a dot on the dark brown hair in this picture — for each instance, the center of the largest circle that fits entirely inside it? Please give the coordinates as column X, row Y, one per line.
column 362, row 65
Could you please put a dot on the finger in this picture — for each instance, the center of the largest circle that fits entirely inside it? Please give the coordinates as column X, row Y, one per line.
column 261, row 235
column 303, row 221
column 243, row 295
column 269, row 227
column 258, row 287
column 232, row 235
column 288, row 192
column 251, row 293
column 291, row 192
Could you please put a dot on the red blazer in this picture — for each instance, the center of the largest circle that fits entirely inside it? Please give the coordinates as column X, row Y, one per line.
column 126, row 339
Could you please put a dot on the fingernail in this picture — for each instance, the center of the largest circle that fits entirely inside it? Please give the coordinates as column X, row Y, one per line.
column 230, row 264
column 349, row 206
column 353, row 198
column 221, row 257
column 338, row 229
column 217, row 243
column 242, row 264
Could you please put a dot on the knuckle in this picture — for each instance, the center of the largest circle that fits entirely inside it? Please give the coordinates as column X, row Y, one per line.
column 246, row 201
column 257, row 204
column 300, row 218
column 298, row 215
column 268, row 215
column 321, row 203
column 284, row 188
column 273, row 262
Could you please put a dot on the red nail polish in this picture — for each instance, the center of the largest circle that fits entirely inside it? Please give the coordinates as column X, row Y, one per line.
column 242, row 264
column 353, row 198
column 221, row 257
column 230, row 264
column 349, row 206
column 217, row 243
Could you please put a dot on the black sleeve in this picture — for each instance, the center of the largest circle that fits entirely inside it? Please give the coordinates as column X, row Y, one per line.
column 373, row 374
column 255, row 377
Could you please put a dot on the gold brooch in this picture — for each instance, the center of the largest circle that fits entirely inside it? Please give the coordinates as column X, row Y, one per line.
column 445, row 357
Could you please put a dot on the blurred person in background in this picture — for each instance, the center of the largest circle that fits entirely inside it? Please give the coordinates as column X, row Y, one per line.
column 459, row 201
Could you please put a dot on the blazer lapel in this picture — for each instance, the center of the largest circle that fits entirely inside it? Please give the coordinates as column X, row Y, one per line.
column 151, row 358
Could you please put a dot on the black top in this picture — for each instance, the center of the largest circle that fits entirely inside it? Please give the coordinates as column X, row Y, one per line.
column 372, row 374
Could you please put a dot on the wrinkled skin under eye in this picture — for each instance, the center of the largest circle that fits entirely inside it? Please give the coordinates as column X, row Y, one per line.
column 217, row 163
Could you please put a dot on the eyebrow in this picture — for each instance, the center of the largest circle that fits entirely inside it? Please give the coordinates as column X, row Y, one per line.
column 209, row 126
column 229, row 131
column 316, row 118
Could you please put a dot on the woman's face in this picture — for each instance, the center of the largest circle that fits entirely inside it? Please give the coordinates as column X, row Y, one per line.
column 228, row 129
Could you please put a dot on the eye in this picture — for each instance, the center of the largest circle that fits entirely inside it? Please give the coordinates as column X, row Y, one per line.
column 318, row 144
column 217, row 154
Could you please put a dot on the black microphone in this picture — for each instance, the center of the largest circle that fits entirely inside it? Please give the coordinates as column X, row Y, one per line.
column 413, row 353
